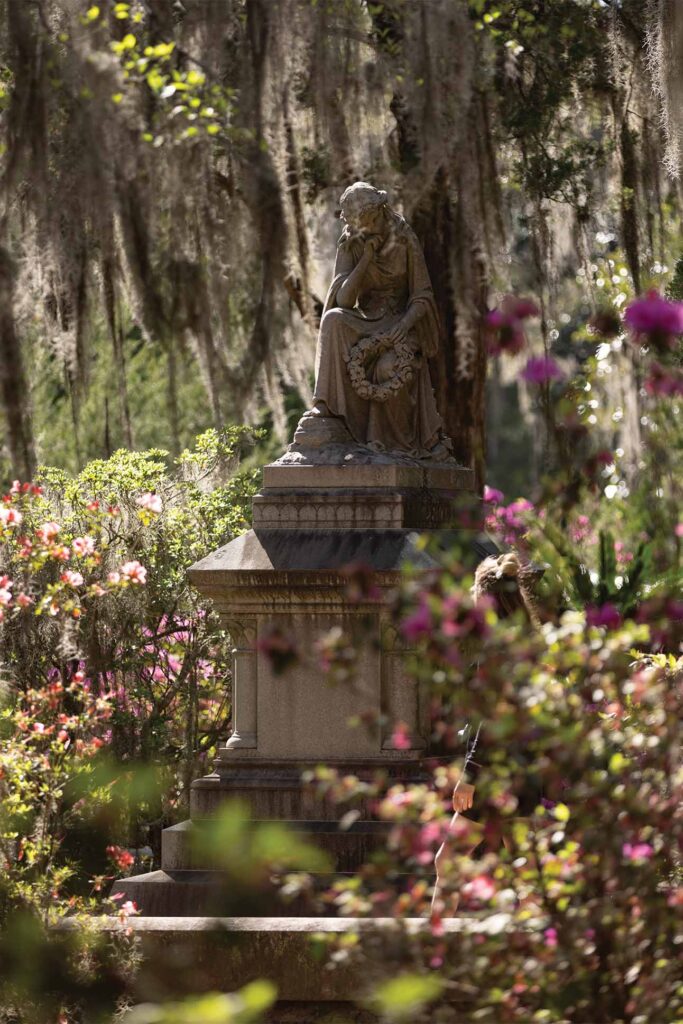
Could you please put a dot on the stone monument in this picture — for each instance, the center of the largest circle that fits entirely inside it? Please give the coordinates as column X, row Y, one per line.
column 369, row 470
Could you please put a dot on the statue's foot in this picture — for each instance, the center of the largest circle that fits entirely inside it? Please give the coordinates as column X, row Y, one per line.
column 319, row 427
column 442, row 450
column 319, row 409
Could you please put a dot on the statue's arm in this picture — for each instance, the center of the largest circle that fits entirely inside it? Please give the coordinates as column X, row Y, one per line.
column 414, row 312
column 347, row 293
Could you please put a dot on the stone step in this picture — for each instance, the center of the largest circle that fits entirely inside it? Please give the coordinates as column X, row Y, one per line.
column 346, row 848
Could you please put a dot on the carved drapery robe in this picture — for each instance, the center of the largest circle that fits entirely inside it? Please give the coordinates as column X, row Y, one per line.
column 395, row 281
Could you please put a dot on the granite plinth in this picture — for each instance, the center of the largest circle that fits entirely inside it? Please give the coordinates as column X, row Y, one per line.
column 320, row 567
column 185, row 955
column 351, row 476
column 274, row 789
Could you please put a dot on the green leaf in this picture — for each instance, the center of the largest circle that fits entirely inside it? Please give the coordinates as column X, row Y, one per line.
column 401, row 998
column 243, row 1007
column 561, row 812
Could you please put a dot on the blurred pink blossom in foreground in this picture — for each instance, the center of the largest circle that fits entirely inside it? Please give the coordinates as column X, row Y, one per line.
column 492, row 496
column 637, row 851
column 540, row 369
column 664, row 381
column 655, row 320
column 606, row 615
column 505, row 326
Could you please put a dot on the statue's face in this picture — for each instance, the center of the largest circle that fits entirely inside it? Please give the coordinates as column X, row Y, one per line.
column 369, row 221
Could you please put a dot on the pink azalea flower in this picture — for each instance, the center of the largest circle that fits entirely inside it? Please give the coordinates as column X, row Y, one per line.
column 540, row 369
column 83, row 546
column 47, row 532
column 550, row 936
column 521, row 309
column 623, row 556
column 23, row 600
column 663, row 381
column 418, row 624
column 114, row 577
column 505, row 326
column 481, row 888
column 10, row 516
column 74, row 579
column 655, row 320
column 134, row 571
column 637, row 851
column 150, row 501
column 679, row 530
column 606, row 615
column 400, row 738
column 492, row 496
column 581, row 529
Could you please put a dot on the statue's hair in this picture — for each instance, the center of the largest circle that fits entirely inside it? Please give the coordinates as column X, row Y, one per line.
column 360, row 196
column 506, row 581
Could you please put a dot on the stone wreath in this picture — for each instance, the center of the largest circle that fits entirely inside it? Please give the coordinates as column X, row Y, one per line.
column 365, row 351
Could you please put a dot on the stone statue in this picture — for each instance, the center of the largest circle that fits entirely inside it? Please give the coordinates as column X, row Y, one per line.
column 379, row 327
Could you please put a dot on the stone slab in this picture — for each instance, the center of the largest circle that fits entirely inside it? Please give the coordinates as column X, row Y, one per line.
column 266, row 550
column 185, row 955
column 389, row 476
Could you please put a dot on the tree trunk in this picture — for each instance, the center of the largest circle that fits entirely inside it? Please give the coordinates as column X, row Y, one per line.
column 116, row 336
column 13, row 387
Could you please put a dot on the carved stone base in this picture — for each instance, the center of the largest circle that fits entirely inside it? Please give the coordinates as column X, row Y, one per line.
column 315, row 431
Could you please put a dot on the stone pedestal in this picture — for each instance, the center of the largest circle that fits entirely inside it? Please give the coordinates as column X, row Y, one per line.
column 292, row 574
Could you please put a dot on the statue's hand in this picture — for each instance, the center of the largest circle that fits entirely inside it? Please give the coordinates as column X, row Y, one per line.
column 397, row 333
column 371, row 247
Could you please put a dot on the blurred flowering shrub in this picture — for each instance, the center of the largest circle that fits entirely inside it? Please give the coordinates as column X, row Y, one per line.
column 568, row 721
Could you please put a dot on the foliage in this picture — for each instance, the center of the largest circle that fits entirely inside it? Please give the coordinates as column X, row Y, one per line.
column 243, row 1007
column 99, row 623
column 211, row 143
column 575, row 712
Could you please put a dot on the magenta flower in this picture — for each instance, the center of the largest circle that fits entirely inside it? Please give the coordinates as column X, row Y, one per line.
column 492, row 496
column 279, row 649
column 540, row 370
column 419, row 624
column 505, row 326
column 655, row 320
column 663, row 381
column 400, row 738
column 637, row 851
column 550, row 936
column 606, row 615
column 605, row 322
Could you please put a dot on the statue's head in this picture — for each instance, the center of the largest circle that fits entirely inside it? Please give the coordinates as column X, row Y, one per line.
column 361, row 204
